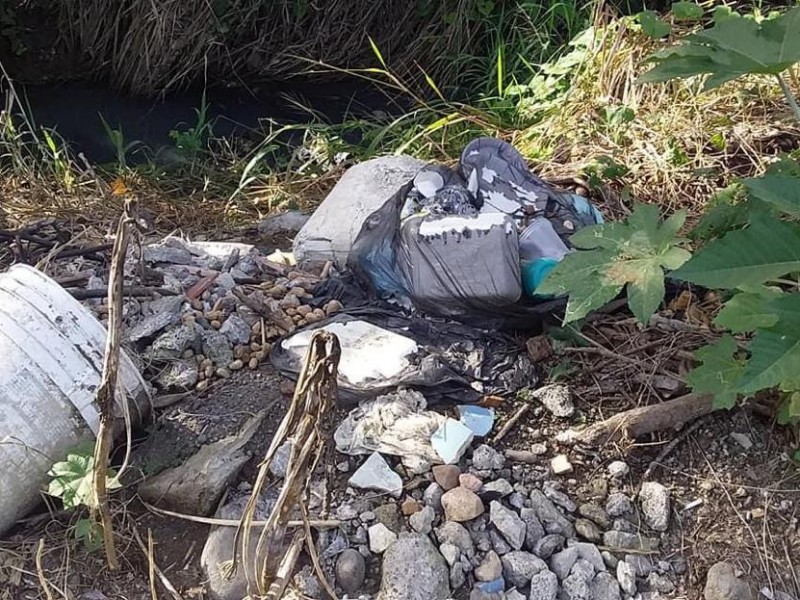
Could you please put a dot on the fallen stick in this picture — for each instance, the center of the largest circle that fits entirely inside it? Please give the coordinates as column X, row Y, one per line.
column 511, row 422
column 640, row 421
column 68, row 252
column 83, row 294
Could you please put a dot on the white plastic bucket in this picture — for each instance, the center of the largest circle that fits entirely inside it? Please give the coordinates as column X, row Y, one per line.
column 51, row 359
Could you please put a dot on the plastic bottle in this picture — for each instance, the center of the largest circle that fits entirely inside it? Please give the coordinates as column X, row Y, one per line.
column 540, row 250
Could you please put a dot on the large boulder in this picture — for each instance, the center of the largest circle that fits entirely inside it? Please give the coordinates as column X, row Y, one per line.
column 363, row 189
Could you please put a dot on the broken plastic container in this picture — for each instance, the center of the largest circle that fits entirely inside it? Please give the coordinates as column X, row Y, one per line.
column 540, row 250
column 53, row 351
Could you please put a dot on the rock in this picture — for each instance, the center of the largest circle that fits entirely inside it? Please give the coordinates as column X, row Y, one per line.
column 517, row 500
column 486, row 458
column 742, row 439
column 479, row 594
column 410, row 506
column 544, row 586
column 413, row 555
column 498, row 542
column 550, row 543
column 375, row 474
column 641, row 564
column 660, row 583
column 539, row 449
column 508, row 523
column 291, row 221
column 618, row 505
column 723, row 584
column 560, row 464
column 619, row 540
column 389, row 515
column 559, row 498
column 609, row 559
column 626, row 576
column 307, row 584
column 618, row 469
column 494, row 490
column 522, row 456
column 595, row 513
column 180, row 374
column 550, row 517
column 451, row 440
column 514, row 595
column 457, row 576
column 561, row 563
column 490, row 569
column 161, row 253
column 166, row 315
column 556, row 398
column 588, row 530
column 575, row 587
column 450, row 552
column 605, row 587
column 432, row 496
column 280, row 461
column 422, row 521
column 346, row 512
column 380, row 538
column 624, row 525
column 364, row 188
column 583, row 568
column 196, row 486
column 591, row 554
column 469, row 481
column 350, row 571
column 236, row 330
column 172, row 344
column 519, row 567
column 461, row 505
column 654, row 499
column 455, row 534
column 533, row 527
column 446, row 476
column 216, row 347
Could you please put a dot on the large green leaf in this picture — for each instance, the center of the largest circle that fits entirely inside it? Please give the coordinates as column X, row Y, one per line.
column 734, row 46
column 749, row 311
column 72, row 478
column 775, row 351
column 633, row 253
column 781, row 191
column 765, row 251
column 720, row 372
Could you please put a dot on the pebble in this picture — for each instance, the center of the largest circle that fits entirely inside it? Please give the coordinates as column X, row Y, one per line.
column 626, row 576
column 618, row 469
column 461, row 505
column 457, row 576
column 457, row 535
column 544, row 586
column 380, row 538
column 556, row 398
column 618, row 505
column 253, row 363
column 494, row 490
column 723, row 584
column 508, row 523
column 610, row 560
column 595, row 513
column 660, row 583
column 742, row 439
column 389, row 515
column 236, row 365
column 223, row 372
column 490, row 568
column 375, row 474
column 447, row 476
column 621, row 540
column 514, row 595
column 654, row 499
column 410, row 506
column 550, row 517
column 333, row 307
column 522, row 456
column 519, row 567
column 498, row 542
column 539, row 449
column 450, row 552
column 559, row 498
column 533, row 527
column 591, row 554
column 584, row 569
column 346, row 512
column 562, row 562
column 560, row 464
column 486, row 458
column 432, row 496
column 588, row 530
column 470, row 481
column 641, row 564
column 350, row 571
column 422, row 521
column 605, row 587
column 545, row 547
column 280, row 461
column 575, row 587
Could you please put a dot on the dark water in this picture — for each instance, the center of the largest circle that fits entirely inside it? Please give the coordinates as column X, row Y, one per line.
column 74, row 111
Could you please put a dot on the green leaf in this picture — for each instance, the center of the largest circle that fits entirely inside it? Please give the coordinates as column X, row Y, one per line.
column 652, row 26
column 734, row 46
column 775, row 351
column 748, row 311
column 789, row 412
column 72, row 478
column 646, row 291
column 766, row 250
column 686, row 11
column 720, row 372
column 90, row 533
column 781, row 191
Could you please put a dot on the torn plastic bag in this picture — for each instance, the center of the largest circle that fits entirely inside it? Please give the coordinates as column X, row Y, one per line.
column 447, row 362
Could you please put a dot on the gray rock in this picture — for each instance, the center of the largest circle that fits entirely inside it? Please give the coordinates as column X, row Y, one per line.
column 590, row 553
column 490, row 568
column 280, row 461
column 380, row 538
column 450, row 552
column 457, row 535
column 626, row 576
column 583, row 568
column 610, row 560
column 723, row 584
column 413, row 555
column 350, row 571
column 508, row 523
column 544, row 586
column 486, row 458
column 494, row 490
column 624, row 525
column 595, row 513
column 641, row 564
column 519, row 567
column 461, row 505
column 330, row 232
column 550, row 543
column 389, row 515
column 498, row 542
column 605, row 587
column 432, row 496
column 660, row 583
column 375, row 474
column 422, row 521
column 216, row 347
column 533, row 527
column 561, row 563
column 514, row 595
column 172, row 344
column 628, row 541
column 457, row 576
column 559, row 498
column 346, row 512
column 654, row 499
column 160, row 253
column 236, row 330
column 618, row 505
column 166, row 315
column 575, row 587
column 307, row 583
column 289, row 222
column 618, row 469
column 588, row 530
column 517, row 500
column 551, row 519
column 556, row 398
column 180, row 374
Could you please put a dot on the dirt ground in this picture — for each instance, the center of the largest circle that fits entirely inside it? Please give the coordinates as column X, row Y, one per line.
column 731, row 501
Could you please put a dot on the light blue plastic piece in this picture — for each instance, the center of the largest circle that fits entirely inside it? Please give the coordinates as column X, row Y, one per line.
column 479, row 419
column 496, row 586
column 451, row 440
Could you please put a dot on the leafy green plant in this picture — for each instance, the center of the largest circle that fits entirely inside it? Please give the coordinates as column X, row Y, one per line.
column 191, row 141
column 631, row 254
column 72, row 478
column 117, row 139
